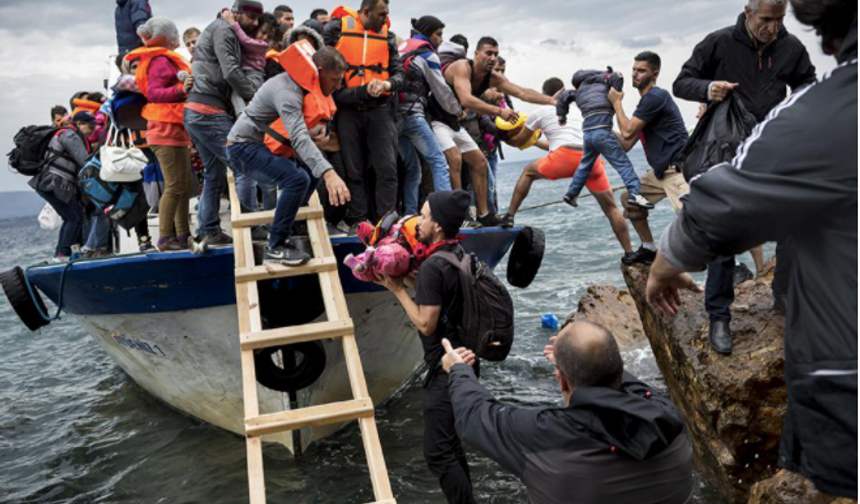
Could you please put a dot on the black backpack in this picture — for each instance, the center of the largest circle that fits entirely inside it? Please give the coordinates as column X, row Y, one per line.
column 123, row 203
column 488, row 311
column 30, row 154
column 716, row 138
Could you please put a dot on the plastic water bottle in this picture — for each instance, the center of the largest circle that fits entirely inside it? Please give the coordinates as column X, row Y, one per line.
column 550, row 321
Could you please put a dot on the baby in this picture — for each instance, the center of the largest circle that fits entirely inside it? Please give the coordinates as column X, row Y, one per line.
column 591, row 88
column 253, row 51
column 388, row 248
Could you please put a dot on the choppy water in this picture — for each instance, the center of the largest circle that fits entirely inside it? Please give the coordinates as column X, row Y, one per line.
column 75, row 429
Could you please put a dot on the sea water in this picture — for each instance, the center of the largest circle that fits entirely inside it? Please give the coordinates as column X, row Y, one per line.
column 75, row 429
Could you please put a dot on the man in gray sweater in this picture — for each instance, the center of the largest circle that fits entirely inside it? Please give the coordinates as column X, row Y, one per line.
column 281, row 97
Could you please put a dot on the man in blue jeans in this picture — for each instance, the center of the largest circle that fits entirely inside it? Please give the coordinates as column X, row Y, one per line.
column 208, row 117
column 423, row 75
column 283, row 97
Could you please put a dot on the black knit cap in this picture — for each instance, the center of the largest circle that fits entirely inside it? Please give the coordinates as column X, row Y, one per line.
column 427, row 25
column 449, row 209
column 249, row 6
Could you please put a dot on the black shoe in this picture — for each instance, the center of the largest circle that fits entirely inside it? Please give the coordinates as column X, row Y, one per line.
column 720, row 337
column 490, row 220
column 507, row 221
column 641, row 256
column 286, row 254
column 259, row 233
column 470, row 224
column 640, row 201
column 220, row 238
column 571, row 200
column 741, row 274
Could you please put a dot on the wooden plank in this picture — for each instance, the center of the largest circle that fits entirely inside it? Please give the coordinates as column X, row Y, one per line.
column 273, row 271
column 330, row 413
column 296, row 334
column 375, row 459
column 266, row 217
column 256, row 476
column 235, row 207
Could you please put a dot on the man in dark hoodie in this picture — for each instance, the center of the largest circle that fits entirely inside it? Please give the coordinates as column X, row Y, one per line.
column 757, row 59
column 613, row 441
column 130, row 15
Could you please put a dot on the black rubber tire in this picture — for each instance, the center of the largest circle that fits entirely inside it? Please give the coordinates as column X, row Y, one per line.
column 295, row 377
column 526, row 257
column 19, row 297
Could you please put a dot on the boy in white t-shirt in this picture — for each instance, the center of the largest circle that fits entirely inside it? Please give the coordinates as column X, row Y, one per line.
column 564, row 144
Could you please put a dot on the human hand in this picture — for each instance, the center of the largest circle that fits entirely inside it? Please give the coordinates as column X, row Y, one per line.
column 664, row 286
column 395, row 285
column 547, row 350
column 189, row 83
column 614, row 95
column 721, row 89
column 338, row 193
column 376, row 87
column 509, row 115
column 228, row 16
column 453, row 356
column 319, row 135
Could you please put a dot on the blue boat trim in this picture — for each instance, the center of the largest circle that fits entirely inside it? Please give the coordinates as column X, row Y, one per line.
column 161, row 282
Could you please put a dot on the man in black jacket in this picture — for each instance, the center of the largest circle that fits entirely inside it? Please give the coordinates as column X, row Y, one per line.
column 795, row 177
column 757, row 58
column 613, row 441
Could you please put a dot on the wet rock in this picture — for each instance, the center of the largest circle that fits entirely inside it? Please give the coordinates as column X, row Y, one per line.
column 734, row 406
column 614, row 309
column 790, row 488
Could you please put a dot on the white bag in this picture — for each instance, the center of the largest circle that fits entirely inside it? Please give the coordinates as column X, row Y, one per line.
column 49, row 219
column 121, row 160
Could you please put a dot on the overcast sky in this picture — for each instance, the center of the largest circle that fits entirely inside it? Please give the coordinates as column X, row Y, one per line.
column 49, row 49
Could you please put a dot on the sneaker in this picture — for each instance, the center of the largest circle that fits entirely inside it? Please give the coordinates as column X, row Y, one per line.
column 490, row 220
column 640, row 201
column 170, row 244
column 343, row 227
column 144, row 243
column 286, row 254
column 741, row 274
column 641, row 256
column 571, row 200
column 471, row 224
column 221, row 238
column 507, row 221
column 334, row 231
column 259, row 233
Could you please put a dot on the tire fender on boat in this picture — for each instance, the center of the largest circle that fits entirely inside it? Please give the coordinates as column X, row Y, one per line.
column 304, row 363
column 25, row 305
column 526, row 257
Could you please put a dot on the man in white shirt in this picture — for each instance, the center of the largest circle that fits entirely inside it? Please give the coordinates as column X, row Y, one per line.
column 564, row 144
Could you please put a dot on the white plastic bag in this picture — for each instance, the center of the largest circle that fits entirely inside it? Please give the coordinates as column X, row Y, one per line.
column 49, row 219
column 121, row 160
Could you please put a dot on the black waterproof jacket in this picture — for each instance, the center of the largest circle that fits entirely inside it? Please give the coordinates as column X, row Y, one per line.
column 795, row 179
column 610, row 446
column 763, row 74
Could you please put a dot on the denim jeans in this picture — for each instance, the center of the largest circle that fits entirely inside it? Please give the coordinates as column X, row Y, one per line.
column 98, row 232
column 246, row 189
column 296, row 183
column 209, row 134
column 72, row 230
column 492, row 196
column 415, row 130
column 602, row 142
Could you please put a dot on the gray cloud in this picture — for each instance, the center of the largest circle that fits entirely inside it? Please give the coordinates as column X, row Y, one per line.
column 642, row 42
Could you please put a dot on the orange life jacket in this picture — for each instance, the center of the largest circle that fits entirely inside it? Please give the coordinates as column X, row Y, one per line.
column 84, row 105
column 365, row 51
column 272, row 54
column 318, row 109
column 163, row 112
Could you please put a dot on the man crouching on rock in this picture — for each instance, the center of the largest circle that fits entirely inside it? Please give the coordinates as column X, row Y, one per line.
column 295, row 97
column 437, row 312
column 613, row 441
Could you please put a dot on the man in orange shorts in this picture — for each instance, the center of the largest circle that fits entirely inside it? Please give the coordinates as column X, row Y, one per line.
column 564, row 144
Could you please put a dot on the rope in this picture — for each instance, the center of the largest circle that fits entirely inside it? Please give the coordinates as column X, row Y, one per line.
column 551, row 203
column 66, row 269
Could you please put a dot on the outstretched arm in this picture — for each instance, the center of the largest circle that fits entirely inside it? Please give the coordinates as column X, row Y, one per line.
column 463, row 87
column 502, row 83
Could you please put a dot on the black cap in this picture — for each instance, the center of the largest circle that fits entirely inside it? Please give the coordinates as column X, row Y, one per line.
column 427, row 25
column 248, row 6
column 449, row 209
column 83, row 116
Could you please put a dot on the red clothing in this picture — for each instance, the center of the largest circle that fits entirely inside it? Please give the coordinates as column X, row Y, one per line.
column 163, row 88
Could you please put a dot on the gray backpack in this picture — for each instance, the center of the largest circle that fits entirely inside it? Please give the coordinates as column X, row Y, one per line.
column 488, row 314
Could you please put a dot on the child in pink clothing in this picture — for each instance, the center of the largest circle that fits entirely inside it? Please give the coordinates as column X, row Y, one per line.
column 254, row 51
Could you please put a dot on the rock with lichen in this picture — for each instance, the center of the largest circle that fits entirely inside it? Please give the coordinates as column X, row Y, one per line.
column 612, row 308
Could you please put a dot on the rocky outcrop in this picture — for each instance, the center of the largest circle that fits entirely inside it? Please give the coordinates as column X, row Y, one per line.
column 614, row 309
column 734, row 406
column 790, row 488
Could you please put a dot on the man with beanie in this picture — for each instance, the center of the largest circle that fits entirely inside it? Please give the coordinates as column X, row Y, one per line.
column 437, row 312
column 209, row 112
column 423, row 76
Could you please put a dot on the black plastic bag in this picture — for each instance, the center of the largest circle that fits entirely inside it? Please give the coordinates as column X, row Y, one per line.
column 716, row 138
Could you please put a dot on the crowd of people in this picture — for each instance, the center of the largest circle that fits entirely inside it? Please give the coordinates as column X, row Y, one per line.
column 417, row 125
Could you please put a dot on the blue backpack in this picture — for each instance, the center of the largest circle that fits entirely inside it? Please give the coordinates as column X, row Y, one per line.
column 123, row 203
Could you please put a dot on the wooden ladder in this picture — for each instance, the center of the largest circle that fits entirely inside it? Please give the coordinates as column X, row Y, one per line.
column 339, row 325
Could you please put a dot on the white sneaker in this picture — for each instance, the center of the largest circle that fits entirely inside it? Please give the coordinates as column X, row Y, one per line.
column 640, row 201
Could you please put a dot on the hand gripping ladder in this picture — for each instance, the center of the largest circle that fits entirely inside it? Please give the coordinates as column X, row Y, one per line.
column 339, row 325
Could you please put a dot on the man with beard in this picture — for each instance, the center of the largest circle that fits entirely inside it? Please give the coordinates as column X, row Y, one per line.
column 657, row 122
column 437, row 312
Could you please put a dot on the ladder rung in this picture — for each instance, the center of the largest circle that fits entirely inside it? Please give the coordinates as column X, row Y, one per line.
column 310, row 416
column 297, row 334
column 273, row 271
column 258, row 218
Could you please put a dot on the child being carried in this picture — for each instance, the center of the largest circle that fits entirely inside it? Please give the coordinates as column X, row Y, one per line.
column 254, row 51
column 591, row 88
column 392, row 248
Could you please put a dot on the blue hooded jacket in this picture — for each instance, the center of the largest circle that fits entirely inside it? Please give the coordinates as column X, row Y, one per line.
column 130, row 14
